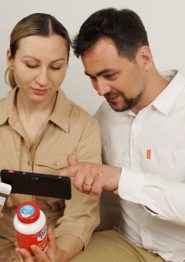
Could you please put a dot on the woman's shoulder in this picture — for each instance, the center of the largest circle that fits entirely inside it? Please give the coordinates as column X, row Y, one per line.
column 76, row 110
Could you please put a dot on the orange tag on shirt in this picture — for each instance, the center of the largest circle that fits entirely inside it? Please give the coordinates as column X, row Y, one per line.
column 148, row 154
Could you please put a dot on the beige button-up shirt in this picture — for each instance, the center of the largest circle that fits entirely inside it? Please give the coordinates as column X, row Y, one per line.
column 69, row 130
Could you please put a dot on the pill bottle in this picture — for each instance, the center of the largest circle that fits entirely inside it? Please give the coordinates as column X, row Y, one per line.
column 30, row 226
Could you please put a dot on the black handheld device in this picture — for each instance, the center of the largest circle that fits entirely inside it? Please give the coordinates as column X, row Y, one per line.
column 37, row 184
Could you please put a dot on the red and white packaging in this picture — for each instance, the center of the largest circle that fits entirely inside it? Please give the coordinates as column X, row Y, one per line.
column 30, row 225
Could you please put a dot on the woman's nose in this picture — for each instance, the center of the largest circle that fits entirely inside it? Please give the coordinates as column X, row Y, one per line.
column 42, row 77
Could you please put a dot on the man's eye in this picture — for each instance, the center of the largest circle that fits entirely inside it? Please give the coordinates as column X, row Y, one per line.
column 93, row 78
column 109, row 76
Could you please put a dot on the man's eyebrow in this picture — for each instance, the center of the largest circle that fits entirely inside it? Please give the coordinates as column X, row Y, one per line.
column 97, row 74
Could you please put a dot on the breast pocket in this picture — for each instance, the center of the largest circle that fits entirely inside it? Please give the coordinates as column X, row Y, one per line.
column 168, row 164
column 50, row 164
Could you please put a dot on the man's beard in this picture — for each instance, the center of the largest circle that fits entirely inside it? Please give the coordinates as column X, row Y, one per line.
column 128, row 103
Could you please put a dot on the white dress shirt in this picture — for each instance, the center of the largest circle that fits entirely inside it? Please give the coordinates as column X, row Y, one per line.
column 150, row 148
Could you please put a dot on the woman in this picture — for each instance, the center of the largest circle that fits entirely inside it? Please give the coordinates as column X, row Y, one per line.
column 40, row 127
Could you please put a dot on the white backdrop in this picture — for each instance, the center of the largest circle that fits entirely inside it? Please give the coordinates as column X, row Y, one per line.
column 164, row 21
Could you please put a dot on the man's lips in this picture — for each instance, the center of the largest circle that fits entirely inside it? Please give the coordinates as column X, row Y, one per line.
column 111, row 97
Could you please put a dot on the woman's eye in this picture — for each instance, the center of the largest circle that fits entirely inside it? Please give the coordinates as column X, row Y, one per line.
column 55, row 67
column 31, row 65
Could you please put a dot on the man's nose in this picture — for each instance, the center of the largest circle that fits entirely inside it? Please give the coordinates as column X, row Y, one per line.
column 102, row 87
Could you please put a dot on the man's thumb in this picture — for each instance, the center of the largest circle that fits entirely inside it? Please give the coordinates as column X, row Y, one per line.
column 71, row 160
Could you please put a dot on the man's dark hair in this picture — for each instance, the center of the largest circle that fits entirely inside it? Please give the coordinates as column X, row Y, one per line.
column 124, row 27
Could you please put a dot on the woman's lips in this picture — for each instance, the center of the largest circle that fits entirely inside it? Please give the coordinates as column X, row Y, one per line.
column 39, row 92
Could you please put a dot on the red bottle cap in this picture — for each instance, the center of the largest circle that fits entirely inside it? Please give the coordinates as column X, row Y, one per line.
column 28, row 212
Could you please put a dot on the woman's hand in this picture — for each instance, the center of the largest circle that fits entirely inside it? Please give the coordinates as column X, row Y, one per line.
column 53, row 254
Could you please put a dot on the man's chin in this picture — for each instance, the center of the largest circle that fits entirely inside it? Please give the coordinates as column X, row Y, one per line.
column 117, row 108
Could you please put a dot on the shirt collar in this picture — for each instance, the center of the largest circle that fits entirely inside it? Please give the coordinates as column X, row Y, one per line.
column 60, row 115
column 165, row 100
column 7, row 106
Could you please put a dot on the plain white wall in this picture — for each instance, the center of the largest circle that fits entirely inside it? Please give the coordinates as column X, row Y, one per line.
column 164, row 21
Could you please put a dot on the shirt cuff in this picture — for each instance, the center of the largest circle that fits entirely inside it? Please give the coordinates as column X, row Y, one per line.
column 131, row 185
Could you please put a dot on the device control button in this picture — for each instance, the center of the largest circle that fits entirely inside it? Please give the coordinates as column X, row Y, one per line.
column 11, row 171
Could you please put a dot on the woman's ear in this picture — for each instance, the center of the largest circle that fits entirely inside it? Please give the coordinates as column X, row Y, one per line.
column 9, row 59
column 144, row 57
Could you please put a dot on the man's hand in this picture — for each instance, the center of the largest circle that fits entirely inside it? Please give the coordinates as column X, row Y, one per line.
column 53, row 254
column 89, row 177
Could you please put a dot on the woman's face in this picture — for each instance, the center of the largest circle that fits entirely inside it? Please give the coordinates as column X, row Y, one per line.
column 39, row 66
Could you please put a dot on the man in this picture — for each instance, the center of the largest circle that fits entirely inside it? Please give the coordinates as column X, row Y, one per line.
column 142, row 125
column 143, row 129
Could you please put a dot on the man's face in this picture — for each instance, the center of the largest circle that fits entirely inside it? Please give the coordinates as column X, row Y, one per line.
column 121, row 81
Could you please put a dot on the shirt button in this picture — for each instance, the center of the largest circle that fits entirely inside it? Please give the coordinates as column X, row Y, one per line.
column 56, row 163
